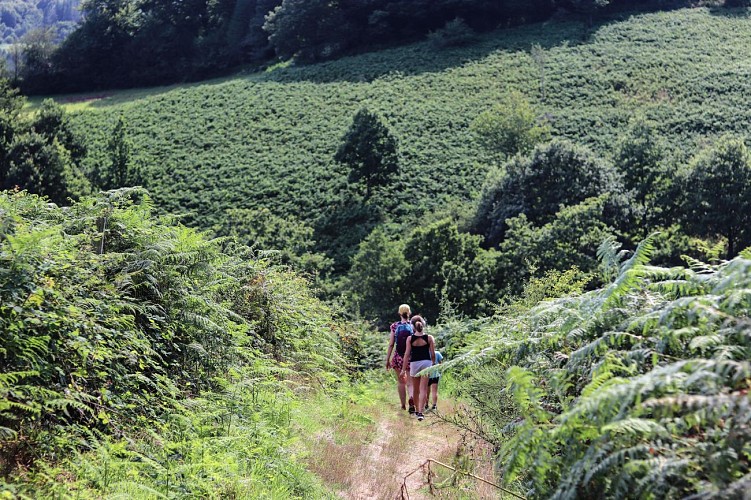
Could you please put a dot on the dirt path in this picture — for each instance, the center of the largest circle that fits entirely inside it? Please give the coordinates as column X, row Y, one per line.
column 384, row 463
column 369, row 446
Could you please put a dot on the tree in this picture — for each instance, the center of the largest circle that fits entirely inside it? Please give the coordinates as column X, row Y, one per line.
column 569, row 240
column 41, row 155
column 36, row 54
column 509, row 128
column 377, row 273
column 121, row 171
column 308, row 30
column 718, row 194
column 446, row 265
column 10, row 109
column 640, row 157
column 52, row 122
column 370, row 151
column 39, row 167
column 557, row 174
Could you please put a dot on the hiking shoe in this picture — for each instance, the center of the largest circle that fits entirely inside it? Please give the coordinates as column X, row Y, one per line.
column 426, row 407
column 411, row 409
column 420, row 416
column 433, row 408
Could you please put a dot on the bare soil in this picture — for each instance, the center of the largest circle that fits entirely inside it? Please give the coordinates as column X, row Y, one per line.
column 392, row 465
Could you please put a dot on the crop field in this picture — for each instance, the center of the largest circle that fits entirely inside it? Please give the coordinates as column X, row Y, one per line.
column 268, row 139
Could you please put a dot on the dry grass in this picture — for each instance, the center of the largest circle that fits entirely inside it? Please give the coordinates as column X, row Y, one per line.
column 363, row 449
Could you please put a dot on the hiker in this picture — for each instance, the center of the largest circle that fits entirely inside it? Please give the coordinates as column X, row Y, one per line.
column 420, row 353
column 433, row 383
column 400, row 332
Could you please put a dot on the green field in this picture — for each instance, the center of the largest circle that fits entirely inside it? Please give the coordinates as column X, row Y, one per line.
column 267, row 139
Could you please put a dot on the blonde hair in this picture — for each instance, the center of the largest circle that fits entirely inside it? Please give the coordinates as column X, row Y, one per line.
column 404, row 311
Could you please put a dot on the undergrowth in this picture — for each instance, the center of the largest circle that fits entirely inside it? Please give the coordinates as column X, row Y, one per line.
column 141, row 358
column 635, row 390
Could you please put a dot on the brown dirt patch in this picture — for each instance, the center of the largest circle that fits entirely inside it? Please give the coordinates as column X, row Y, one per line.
column 400, row 447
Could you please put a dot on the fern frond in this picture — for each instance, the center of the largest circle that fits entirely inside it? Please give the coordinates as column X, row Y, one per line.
column 636, row 426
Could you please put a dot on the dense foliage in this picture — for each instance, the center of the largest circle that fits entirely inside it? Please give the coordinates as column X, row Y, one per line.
column 278, row 167
column 112, row 319
column 638, row 389
column 42, row 154
column 125, row 43
column 19, row 17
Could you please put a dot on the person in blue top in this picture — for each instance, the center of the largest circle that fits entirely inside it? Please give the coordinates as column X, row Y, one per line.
column 433, row 383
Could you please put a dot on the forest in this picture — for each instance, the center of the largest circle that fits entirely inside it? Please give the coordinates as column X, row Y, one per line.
column 196, row 278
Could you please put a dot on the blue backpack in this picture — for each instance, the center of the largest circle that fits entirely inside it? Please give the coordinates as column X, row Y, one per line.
column 401, row 334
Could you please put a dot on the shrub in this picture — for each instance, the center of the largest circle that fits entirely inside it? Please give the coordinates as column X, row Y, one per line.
column 455, row 33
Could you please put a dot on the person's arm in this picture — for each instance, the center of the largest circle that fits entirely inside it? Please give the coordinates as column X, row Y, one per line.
column 391, row 348
column 431, row 343
column 406, row 356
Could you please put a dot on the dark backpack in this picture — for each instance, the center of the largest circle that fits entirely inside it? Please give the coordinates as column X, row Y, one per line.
column 401, row 334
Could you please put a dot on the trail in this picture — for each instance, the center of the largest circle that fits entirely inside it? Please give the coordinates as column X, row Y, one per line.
column 369, row 446
column 401, row 446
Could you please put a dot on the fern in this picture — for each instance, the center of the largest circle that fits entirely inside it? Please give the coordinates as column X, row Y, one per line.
column 636, row 389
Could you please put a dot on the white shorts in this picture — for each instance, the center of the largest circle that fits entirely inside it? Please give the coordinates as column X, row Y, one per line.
column 416, row 367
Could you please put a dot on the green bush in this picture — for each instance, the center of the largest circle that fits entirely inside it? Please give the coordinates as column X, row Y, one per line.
column 111, row 319
column 633, row 390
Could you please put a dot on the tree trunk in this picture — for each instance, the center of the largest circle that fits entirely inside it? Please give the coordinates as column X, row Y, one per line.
column 731, row 244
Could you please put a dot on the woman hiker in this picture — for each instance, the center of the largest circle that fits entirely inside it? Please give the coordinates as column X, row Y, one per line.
column 420, row 353
column 400, row 332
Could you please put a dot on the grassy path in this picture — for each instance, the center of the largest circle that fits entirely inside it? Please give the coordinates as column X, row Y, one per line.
column 368, row 449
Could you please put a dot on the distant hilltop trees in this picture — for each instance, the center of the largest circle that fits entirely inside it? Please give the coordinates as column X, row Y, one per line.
column 125, row 43
column 19, row 17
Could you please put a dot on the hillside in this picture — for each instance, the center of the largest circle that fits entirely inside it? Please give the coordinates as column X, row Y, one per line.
column 267, row 139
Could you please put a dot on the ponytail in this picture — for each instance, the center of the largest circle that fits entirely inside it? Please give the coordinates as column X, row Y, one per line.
column 418, row 323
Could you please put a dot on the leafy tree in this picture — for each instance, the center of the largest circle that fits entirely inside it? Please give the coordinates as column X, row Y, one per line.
column 41, row 156
column 718, row 194
column 557, row 174
column 38, row 46
column 509, row 128
column 570, row 240
column 121, row 171
column 370, row 151
column 39, row 166
column 640, row 158
column 10, row 109
column 448, row 266
column 52, row 122
column 377, row 275
column 308, row 30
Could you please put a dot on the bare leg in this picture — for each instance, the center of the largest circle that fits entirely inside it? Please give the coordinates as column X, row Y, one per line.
column 435, row 394
column 416, row 392
column 423, row 388
column 401, row 388
column 430, row 390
